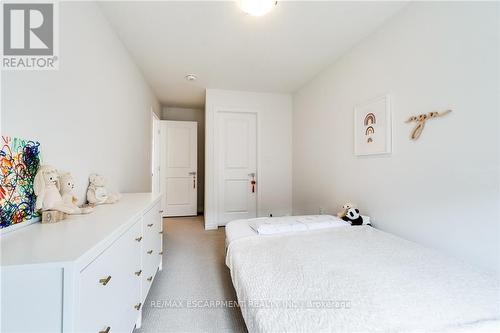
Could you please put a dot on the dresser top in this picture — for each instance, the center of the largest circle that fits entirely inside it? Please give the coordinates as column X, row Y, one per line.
column 75, row 237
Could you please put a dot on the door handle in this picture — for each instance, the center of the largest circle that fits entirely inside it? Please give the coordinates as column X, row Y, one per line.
column 194, row 178
column 253, row 182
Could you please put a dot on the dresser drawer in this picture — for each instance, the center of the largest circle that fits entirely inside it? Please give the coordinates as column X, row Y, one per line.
column 103, row 301
column 152, row 247
column 151, row 257
column 153, row 220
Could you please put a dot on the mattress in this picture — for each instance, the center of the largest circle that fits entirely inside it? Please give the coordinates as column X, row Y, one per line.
column 355, row 279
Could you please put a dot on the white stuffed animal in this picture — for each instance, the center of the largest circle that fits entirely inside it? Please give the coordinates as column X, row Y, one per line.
column 97, row 193
column 67, row 185
column 348, row 205
column 46, row 187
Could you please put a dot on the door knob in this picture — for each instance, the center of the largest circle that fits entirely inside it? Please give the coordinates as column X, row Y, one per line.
column 253, row 181
column 194, row 178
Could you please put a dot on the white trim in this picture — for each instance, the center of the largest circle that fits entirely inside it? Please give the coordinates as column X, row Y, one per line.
column 155, row 116
column 154, row 138
column 211, row 227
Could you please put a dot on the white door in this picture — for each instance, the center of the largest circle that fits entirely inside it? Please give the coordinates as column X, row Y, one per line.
column 155, row 161
column 237, row 164
column 179, row 168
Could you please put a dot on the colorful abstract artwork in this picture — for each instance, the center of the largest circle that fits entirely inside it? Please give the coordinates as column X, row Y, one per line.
column 372, row 127
column 19, row 162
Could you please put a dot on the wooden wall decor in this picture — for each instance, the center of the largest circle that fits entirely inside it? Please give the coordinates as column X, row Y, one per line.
column 421, row 119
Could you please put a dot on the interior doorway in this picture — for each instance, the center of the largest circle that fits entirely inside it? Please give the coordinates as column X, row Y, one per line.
column 236, row 160
column 192, row 115
column 179, row 168
column 155, row 153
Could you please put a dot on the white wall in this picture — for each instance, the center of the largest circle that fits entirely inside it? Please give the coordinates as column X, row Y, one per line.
column 198, row 115
column 93, row 114
column 274, row 152
column 442, row 190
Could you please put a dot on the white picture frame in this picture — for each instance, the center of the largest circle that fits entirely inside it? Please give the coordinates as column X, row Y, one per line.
column 373, row 127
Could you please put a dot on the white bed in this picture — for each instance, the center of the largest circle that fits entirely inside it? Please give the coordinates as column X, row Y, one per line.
column 355, row 279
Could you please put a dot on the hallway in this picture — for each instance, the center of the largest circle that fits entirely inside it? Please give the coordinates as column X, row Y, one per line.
column 194, row 274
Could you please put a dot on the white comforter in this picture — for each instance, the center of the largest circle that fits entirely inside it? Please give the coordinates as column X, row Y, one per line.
column 362, row 280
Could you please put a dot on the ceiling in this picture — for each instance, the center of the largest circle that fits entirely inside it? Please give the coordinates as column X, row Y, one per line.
column 228, row 49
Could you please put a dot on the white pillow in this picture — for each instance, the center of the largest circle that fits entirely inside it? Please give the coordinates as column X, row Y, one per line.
column 270, row 227
column 287, row 224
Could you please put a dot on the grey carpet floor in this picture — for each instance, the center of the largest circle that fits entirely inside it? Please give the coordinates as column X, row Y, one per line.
column 193, row 279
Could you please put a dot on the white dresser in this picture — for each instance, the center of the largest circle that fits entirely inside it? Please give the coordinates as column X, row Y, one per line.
column 88, row 273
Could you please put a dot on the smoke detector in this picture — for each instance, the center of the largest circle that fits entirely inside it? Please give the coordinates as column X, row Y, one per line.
column 191, row 77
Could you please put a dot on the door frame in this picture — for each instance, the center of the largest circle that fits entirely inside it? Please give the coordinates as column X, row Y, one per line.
column 163, row 175
column 215, row 163
column 155, row 152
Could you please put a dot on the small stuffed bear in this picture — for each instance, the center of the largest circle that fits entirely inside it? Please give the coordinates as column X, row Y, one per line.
column 97, row 193
column 352, row 216
column 67, row 185
column 345, row 207
column 46, row 187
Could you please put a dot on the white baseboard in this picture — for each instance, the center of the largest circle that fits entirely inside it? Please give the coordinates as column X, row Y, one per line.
column 211, row 227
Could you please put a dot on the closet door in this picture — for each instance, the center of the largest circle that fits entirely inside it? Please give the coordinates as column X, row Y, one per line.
column 179, row 168
column 237, row 166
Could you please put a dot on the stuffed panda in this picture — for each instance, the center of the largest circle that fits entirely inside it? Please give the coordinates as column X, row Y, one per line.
column 352, row 216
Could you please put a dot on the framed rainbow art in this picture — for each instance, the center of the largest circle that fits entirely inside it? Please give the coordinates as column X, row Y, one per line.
column 373, row 127
column 19, row 162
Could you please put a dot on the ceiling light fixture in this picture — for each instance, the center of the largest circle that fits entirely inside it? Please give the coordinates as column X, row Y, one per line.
column 257, row 7
column 191, row 77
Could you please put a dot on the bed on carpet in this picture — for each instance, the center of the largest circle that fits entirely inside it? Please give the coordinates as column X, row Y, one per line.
column 354, row 279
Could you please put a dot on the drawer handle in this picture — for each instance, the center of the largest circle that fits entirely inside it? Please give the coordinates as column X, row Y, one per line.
column 138, row 239
column 160, row 232
column 138, row 306
column 150, row 251
column 161, row 211
column 160, row 253
column 106, row 330
column 138, row 273
column 105, row 280
column 150, row 225
column 150, row 278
